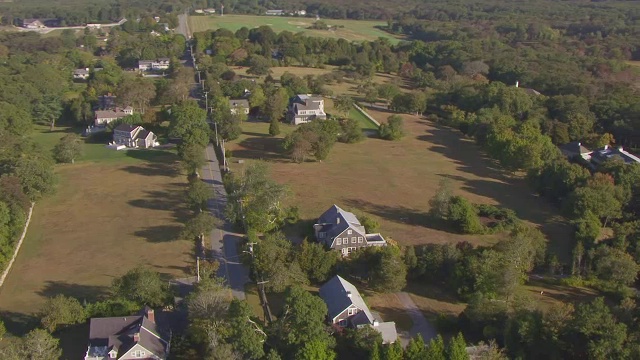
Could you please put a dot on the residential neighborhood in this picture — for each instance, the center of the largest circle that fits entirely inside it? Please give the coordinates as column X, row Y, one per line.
column 304, row 108
column 341, row 230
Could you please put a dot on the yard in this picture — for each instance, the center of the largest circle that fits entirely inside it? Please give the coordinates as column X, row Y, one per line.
column 395, row 180
column 111, row 212
column 354, row 30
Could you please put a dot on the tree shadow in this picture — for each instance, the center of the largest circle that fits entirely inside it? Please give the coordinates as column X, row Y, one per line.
column 153, row 169
column 74, row 340
column 255, row 134
column 17, row 323
column 151, row 155
column 160, row 233
column 266, row 148
column 399, row 214
column 89, row 293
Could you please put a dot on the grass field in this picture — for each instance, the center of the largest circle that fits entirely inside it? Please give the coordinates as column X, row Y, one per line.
column 347, row 29
column 395, row 180
column 112, row 211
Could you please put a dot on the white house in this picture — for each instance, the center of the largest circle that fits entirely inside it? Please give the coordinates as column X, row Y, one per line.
column 103, row 117
column 158, row 64
column 32, row 24
column 81, row 74
column 304, row 108
column 134, row 136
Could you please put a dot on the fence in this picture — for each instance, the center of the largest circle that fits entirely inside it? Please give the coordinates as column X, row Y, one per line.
column 15, row 252
column 366, row 115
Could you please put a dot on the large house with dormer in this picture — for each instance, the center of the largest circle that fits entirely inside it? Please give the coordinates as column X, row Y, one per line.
column 341, row 230
column 346, row 308
column 134, row 136
column 127, row 337
column 104, row 117
column 304, row 108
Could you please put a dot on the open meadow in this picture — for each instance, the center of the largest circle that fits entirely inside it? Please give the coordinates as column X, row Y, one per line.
column 354, row 30
column 395, row 180
column 111, row 212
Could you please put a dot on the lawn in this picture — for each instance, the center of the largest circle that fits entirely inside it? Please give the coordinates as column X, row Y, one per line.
column 111, row 212
column 355, row 30
column 394, row 181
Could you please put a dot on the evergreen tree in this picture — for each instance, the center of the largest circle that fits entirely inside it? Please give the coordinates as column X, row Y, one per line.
column 435, row 350
column 416, row 349
column 457, row 348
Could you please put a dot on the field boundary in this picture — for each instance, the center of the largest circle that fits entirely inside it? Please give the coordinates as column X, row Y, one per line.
column 15, row 252
column 361, row 110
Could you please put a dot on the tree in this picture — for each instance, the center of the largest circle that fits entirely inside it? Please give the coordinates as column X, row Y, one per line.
column 189, row 123
column 203, row 223
column 36, row 176
column 351, row 131
column 457, row 348
column 61, row 310
column 315, row 138
column 371, row 225
column 393, row 351
column 388, row 91
column 274, row 127
column 588, row 228
column 276, row 104
column 245, row 335
column 143, row 286
column 257, row 98
column 593, row 325
column 198, row 195
column 343, row 104
column 259, row 65
column 39, row 344
column 255, row 200
column 316, row 350
column 135, row 92
column 68, row 149
column 358, row 343
column 192, row 156
column 435, row 350
column 393, row 129
column 315, row 261
column 463, row 215
column 615, row 266
column 389, row 273
column 416, row 349
column 440, row 202
column 302, row 320
column 48, row 109
column 274, row 261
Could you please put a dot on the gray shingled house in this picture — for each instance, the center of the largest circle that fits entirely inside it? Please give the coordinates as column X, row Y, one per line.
column 346, row 308
column 127, row 337
column 341, row 230
column 304, row 108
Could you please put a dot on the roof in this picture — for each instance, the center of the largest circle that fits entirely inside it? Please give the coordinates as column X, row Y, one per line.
column 126, row 128
column 336, row 220
column 375, row 238
column 609, row 152
column 234, row 103
column 81, row 71
column 31, row 21
column 144, row 134
column 118, row 333
column 387, row 330
column 335, row 294
column 109, row 114
column 275, row 11
column 575, row 148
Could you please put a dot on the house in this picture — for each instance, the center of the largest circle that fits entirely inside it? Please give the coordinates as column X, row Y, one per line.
column 158, row 64
column 81, row 74
column 300, row 12
column 239, row 105
column 346, row 308
column 275, row 12
column 575, row 150
column 609, row 152
column 199, row 11
column 103, row 117
column 304, row 108
column 127, row 337
column 341, row 230
column 210, row 11
column 528, row 90
column 134, row 136
column 32, row 24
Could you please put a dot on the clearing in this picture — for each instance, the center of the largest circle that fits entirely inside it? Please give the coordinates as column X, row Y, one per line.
column 395, row 180
column 111, row 212
column 354, row 30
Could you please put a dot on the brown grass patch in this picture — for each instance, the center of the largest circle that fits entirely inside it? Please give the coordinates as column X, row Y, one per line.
column 390, row 309
column 105, row 219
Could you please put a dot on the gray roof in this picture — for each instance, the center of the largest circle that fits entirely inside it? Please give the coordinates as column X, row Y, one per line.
column 335, row 294
column 609, row 152
column 144, row 134
column 126, row 128
column 109, row 114
column 333, row 227
column 81, row 71
column 574, row 148
column 306, row 101
column 387, row 330
column 118, row 333
column 234, row 103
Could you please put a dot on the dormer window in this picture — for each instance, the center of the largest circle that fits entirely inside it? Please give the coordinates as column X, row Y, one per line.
column 321, row 235
column 349, row 232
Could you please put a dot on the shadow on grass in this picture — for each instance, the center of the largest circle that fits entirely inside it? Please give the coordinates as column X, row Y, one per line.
column 160, row 233
column 255, row 134
column 265, row 148
column 400, row 214
column 19, row 324
column 89, row 293
column 172, row 200
column 163, row 156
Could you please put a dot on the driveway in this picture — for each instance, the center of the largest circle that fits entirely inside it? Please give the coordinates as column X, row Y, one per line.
column 420, row 324
column 224, row 242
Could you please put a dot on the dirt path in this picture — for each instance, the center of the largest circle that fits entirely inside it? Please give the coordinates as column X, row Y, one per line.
column 420, row 324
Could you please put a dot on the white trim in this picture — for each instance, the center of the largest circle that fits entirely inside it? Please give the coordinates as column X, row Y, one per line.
column 151, row 332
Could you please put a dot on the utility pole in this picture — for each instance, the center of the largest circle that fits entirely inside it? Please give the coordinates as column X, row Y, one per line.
column 206, row 102
column 221, row 9
column 197, row 269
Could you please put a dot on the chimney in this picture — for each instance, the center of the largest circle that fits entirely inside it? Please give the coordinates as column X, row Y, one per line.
column 136, row 337
column 151, row 315
column 606, row 147
column 338, row 220
column 375, row 323
column 349, row 294
column 517, row 83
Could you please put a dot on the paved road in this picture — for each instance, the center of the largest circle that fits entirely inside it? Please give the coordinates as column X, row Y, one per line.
column 224, row 242
column 420, row 324
column 183, row 25
column 47, row 30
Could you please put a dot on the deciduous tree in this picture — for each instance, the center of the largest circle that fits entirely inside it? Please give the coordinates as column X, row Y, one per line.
column 143, row 286
column 68, row 149
column 61, row 310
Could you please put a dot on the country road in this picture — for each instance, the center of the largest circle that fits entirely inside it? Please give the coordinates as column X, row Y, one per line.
column 183, row 25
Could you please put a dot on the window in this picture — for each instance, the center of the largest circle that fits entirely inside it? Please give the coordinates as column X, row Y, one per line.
column 343, row 323
column 338, row 241
column 349, row 232
column 137, row 353
column 351, row 312
column 351, row 249
column 360, row 239
column 353, row 240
